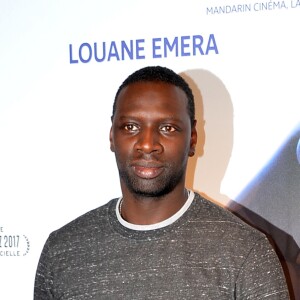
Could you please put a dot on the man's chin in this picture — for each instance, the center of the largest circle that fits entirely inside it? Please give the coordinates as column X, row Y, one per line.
column 151, row 188
column 151, row 192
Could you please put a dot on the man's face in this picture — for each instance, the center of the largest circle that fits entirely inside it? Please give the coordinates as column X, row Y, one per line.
column 152, row 137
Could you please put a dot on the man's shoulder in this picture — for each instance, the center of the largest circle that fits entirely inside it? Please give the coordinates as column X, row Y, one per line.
column 223, row 218
column 86, row 224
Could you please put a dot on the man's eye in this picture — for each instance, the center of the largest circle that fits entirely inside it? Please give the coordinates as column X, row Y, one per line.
column 168, row 128
column 131, row 127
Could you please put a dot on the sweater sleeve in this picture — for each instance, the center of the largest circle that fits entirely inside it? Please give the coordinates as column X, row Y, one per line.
column 43, row 278
column 261, row 276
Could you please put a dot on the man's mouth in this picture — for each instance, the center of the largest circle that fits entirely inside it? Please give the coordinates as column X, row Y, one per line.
column 147, row 171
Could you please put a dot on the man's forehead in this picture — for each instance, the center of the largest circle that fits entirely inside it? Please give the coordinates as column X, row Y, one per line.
column 149, row 100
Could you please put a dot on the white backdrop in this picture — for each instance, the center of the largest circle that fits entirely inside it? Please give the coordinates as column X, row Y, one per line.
column 56, row 102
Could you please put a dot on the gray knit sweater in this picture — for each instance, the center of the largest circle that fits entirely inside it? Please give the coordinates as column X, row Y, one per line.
column 206, row 254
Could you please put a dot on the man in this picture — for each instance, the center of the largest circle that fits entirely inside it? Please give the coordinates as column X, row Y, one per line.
column 157, row 241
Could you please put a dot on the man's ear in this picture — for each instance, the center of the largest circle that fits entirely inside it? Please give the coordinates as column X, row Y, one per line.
column 112, row 146
column 194, row 138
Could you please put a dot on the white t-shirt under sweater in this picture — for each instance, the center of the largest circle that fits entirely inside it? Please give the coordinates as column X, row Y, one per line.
column 202, row 252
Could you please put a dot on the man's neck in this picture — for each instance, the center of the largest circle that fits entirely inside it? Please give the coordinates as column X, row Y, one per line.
column 141, row 210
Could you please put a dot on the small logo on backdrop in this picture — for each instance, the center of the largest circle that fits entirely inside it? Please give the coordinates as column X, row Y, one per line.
column 13, row 244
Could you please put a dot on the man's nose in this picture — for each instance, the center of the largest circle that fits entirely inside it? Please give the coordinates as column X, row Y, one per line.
column 148, row 141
